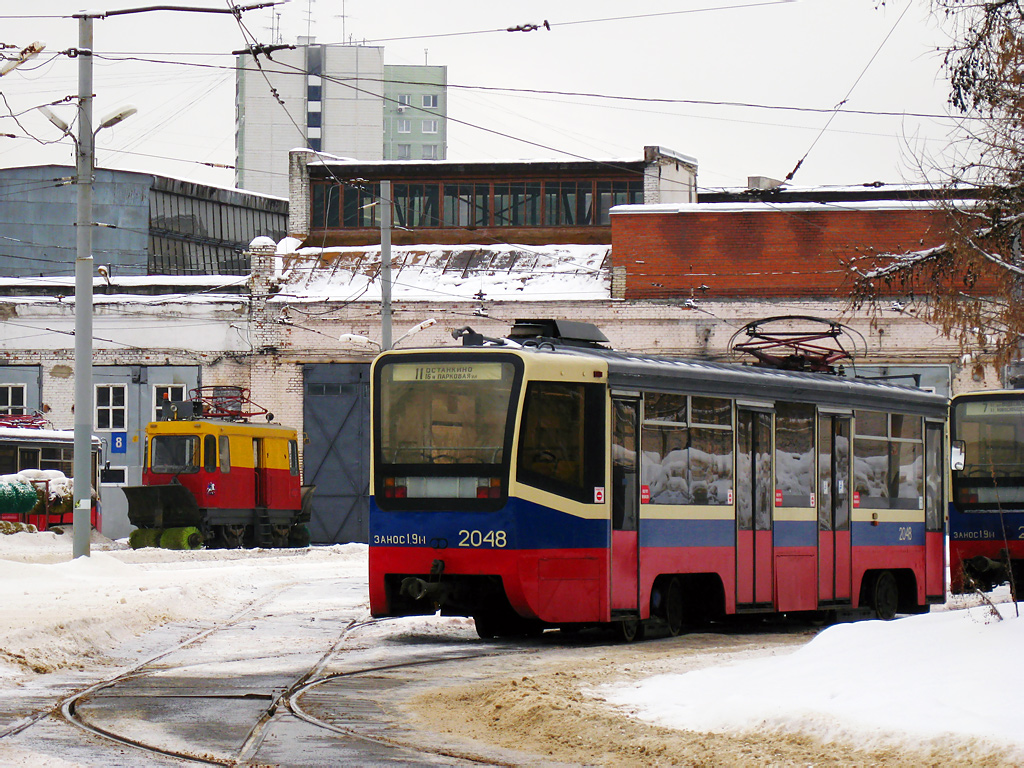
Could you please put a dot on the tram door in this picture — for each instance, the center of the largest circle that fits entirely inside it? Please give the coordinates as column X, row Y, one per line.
column 834, row 554
column 625, row 505
column 260, row 479
column 754, row 547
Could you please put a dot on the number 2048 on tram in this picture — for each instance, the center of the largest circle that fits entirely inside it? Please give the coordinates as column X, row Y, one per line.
column 555, row 482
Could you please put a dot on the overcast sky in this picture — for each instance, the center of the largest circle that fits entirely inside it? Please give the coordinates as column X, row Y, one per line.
column 806, row 54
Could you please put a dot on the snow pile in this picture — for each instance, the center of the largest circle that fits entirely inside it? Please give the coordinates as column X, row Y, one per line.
column 59, row 612
column 948, row 675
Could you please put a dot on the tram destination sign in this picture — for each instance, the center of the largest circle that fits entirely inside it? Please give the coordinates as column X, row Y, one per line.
column 992, row 407
column 447, row 372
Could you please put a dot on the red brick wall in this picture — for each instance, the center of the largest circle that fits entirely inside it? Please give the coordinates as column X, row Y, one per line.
column 776, row 252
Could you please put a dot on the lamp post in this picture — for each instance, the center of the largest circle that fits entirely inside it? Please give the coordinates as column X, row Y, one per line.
column 85, row 158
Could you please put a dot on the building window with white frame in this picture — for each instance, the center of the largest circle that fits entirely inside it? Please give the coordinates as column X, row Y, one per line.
column 403, row 151
column 430, row 100
column 12, row 399
column 404, row 100
column 429, row 126
column 403, row 125
column 430, row 151
column 111, row 406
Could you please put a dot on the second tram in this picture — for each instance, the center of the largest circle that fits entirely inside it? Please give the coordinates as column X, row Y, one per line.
column 550, row 481
column 986, row 508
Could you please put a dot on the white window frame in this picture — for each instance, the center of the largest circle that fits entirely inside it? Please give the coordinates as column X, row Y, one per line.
column 110, row 409
column 404, row 100
column 14, row 410
column 403, row 125
column 430, row 152
column 429, row 101
column 403, row 151
column 429, row 126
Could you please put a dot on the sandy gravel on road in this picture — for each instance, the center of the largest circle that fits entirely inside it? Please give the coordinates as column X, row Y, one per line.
column 546, row 704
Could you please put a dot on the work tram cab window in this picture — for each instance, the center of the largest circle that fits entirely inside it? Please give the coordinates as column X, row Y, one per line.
column 174, row 454
column 561, row 440
column 687, row 450
column 444, row 431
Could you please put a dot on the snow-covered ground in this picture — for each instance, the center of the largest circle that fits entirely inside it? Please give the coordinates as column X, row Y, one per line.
column 951, row 673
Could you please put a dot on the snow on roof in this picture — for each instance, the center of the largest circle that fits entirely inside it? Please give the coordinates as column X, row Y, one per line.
column 447, row 273
column 754, row 206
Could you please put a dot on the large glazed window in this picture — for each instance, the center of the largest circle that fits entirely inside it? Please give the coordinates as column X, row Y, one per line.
column 992, row 431
column 435, row 413
column 888, row 461
column 794, row 454
column 687, row 449
column 175, row 454
column 561, row 442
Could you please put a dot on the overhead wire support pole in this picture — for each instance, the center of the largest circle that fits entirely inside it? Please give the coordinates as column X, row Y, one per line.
column 85, row 170
column 385, row 266
column 82, row 462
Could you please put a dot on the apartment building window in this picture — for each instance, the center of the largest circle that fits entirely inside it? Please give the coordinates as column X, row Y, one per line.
column 430, row 101
column 314, row 144
column 12, row 399
column 429, row 126
column 313, row 119
column 430, row 151
column 404, row 99
column 111, row 406
column 403, row 151
column 403, row 125
column 314, row 93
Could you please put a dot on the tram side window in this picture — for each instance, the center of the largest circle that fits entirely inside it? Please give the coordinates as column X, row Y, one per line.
column 175, row 454
column 794, row 453
column 210, row 453
column 8, row 460
column 225, row 454
column 687, row 453
column 888, row 461
column 561, row 444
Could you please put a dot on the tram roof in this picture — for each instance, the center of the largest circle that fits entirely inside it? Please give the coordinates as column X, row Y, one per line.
column 632, row 371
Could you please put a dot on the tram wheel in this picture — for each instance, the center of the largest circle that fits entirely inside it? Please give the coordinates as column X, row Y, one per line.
column 486, row 625
column 630, row 630
column 885, row 596
column 279, row 536
column 675, row 615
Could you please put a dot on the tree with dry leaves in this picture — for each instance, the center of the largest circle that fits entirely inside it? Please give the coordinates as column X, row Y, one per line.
column 972, row 286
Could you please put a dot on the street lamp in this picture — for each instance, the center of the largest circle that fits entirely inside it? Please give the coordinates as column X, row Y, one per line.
column 84, row 172
column 355, row 338
column 27, row 53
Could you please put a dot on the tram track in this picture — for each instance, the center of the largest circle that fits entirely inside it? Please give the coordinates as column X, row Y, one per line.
column 136, row 708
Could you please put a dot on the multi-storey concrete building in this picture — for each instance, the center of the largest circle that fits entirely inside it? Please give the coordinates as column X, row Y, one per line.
column 338, row 100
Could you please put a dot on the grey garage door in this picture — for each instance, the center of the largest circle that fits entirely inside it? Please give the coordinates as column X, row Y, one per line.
column 336, row 455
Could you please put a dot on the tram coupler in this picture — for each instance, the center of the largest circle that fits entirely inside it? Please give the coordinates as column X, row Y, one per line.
column 418, row 589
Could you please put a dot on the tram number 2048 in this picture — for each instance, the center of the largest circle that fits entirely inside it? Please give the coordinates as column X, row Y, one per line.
column 906, row 533
column 496, row 539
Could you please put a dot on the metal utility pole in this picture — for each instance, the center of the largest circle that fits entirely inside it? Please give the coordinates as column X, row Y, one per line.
column 82, row 466
column 385, row 266
column 85, row 160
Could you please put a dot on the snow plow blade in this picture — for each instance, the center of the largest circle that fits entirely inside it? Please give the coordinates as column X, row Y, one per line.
column 162, row 506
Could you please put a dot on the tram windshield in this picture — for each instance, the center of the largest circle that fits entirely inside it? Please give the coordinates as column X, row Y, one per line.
column 445, row 413
column 175, row 454
column 992, row 433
